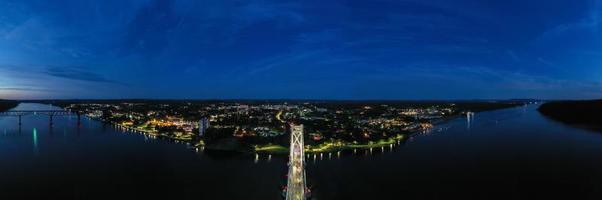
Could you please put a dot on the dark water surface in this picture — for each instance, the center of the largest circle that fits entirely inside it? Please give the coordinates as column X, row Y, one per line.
column 506, row 154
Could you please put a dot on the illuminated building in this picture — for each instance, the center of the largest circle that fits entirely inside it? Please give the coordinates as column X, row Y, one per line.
column 203, row 125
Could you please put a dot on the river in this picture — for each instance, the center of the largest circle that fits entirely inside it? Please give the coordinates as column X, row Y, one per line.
column 505, row 154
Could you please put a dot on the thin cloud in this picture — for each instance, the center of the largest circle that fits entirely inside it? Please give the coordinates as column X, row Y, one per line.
column 513, row 56
column 78, row 74
column 24, row 89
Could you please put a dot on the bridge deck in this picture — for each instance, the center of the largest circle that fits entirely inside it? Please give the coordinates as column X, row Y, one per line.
column 296, row 174
column 35, row 112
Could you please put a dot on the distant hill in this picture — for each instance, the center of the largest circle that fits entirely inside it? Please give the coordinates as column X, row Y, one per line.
column 587, row 114
column 7, row 105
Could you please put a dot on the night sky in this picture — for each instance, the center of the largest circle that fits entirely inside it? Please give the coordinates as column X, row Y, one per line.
column 205, row 49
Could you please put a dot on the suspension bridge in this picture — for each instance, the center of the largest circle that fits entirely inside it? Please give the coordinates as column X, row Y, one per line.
column 296, row 187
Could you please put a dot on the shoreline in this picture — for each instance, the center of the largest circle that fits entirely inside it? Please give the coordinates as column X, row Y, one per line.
column 150, row 133
column 327, row 147
column 332, row 148
column 578, row 114
column 278, row 149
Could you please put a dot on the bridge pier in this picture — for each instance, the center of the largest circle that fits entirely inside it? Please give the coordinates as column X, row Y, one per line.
column 19, row 120
column 51, row 116
column 79, row 122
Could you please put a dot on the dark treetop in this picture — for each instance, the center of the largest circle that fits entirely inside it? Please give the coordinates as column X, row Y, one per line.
column 580, row 113
column 7, row 104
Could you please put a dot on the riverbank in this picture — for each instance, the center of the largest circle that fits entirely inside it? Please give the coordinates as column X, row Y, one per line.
column 7, row 105
column 327, row 144
column 326, row 147
column 583, row 114
column 188, row 138
column 329, row 147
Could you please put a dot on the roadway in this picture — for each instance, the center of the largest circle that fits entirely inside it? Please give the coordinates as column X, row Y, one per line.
column 296, row 185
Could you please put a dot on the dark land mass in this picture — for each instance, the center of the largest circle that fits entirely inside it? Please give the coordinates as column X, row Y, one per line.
column 585, row 114
column 229, row 145
column 473, row 105
column 7, row 105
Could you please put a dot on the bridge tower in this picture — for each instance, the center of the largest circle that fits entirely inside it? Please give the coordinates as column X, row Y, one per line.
column 296, row 183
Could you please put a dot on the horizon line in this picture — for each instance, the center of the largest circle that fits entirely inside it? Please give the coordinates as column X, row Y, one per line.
column 277, row 99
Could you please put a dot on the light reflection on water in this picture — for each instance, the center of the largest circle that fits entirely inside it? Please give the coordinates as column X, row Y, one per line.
column 35, row 141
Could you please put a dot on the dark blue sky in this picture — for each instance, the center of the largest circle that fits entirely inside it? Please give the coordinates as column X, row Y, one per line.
column 414, row 49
